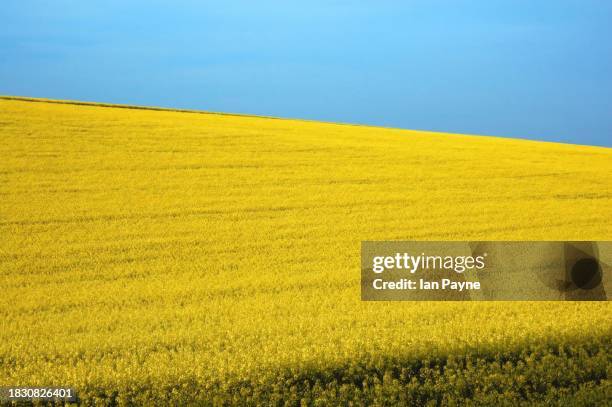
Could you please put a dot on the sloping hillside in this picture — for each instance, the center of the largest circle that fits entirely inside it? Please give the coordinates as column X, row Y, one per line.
column 151, row 255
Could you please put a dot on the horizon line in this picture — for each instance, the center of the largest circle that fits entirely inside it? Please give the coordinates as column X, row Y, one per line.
column 247, row 115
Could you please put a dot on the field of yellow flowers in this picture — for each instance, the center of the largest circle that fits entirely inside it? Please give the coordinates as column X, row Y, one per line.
column 155, row 257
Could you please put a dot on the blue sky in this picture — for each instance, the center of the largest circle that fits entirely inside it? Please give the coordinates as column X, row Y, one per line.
column 529, row 69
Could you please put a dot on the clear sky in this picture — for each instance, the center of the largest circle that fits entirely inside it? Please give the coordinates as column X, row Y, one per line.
column 531, row 69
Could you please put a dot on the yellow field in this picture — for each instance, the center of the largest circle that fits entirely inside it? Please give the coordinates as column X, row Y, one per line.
column 151, row 256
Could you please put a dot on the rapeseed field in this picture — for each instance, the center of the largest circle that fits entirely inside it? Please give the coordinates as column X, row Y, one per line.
column 153, row 257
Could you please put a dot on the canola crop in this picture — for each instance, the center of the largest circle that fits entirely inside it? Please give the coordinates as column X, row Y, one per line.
column 155, row 257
